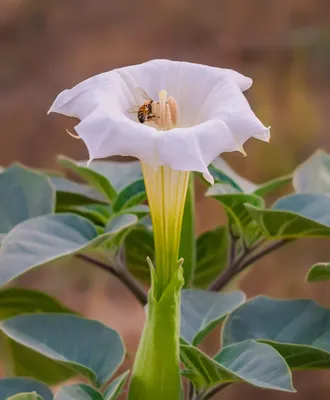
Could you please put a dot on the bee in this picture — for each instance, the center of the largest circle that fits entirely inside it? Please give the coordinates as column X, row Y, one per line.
column 144, row 112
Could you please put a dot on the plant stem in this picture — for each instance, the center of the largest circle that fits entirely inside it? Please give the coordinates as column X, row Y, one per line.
column 262, row 253
column 216, row 390
column 227, row 274
column 191, row 391
column 232, row 251
column 235, row 267
column 123, row 275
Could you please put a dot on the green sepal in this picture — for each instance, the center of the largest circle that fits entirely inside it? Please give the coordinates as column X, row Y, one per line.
column 156, row 372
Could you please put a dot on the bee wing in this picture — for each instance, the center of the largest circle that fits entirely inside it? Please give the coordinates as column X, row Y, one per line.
column 143, row 94
column 134, row 110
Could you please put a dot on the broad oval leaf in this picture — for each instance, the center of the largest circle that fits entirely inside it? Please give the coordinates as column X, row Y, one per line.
column 23, row 361
column 98, row 181
column 212, row 256
column 70, row 193
column 319, row 272
column 238, row 216
column 99, row 214
column 120, row 222
column 12, row 386
column 115, row 387
column 298, row 329
column 313, row 176
column 119, row 226
column 78, row 391
column 223, row 173
column 119, row 173
column 202, row 310
column 130, row 196
column 25, row 194
column 140, row 210
column 48, row 238
column 294, row 216
column 273, row 184
column 26, row 396
column 139, row 244
column 255, row 363
column 19, row 360
column 67, row 339
column 15, row 301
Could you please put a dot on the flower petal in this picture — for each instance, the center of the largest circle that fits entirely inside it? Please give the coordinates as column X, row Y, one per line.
column 151, row 76
column 106, row 133
column 229, row 105
column 215, row 117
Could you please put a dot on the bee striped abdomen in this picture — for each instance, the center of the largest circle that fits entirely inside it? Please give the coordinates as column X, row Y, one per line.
column 141, row 115
column 145, row 112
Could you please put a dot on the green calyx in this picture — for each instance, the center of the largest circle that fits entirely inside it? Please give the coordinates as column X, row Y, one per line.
column 156, row 372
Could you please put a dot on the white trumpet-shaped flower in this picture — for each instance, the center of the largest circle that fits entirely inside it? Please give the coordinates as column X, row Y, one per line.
column 198, row 112
column 213, row 114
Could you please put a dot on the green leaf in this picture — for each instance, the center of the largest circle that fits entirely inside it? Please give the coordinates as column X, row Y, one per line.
column 11, row 386
column 319, row 272
column 187, row 249
column 120, row 174
column 51, row 237
column 255, row 363
column 19, row 360
column 120, row 224
column 294, row 216
column 212, row 256
column 26, row 396
column 78, row 391
column 70, row 193
column 25, row 194
column 313, row 176
column 23, row 361
column 131, row 195
column 272, row 185
column 202, row 310
column 86, row 346
column 223, row 173
column 115, row 388
column 234, row 204
column 139, row 244
column 93, row 212
column 95, row 179
column 16, row 301
column 140, row 210
column 297, row 329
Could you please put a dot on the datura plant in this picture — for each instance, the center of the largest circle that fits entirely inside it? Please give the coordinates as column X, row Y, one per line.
column 136, row 220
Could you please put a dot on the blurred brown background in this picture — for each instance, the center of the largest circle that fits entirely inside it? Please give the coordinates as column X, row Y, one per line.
column 284, row 45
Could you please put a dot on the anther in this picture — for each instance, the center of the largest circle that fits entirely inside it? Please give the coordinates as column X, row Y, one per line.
column 173, row 110
column 166, row 110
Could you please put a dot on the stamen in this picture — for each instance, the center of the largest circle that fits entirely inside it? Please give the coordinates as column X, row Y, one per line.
column 173, row 110
column 165, row 111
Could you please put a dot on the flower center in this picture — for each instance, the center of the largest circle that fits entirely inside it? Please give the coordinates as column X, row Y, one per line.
column 165, row 112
